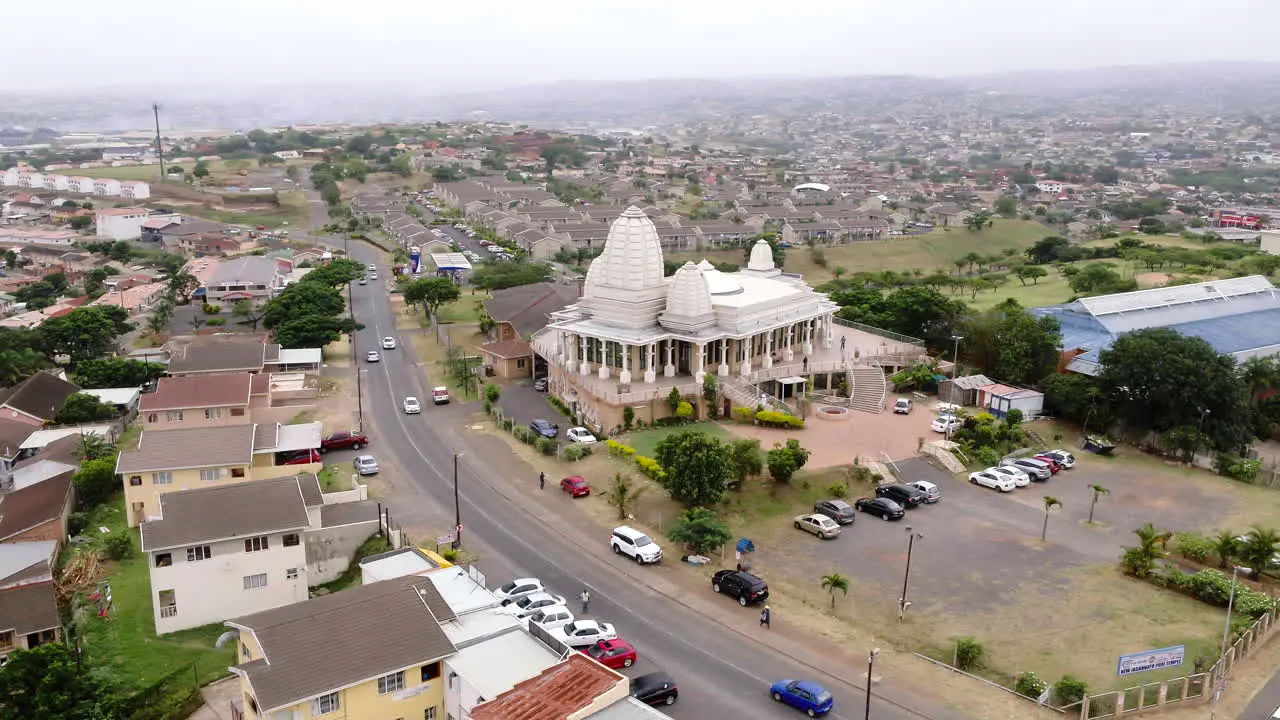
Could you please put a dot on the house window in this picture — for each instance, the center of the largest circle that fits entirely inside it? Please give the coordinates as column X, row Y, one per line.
column 173, row 416
column 520, row 363
column 135, row 480
column 237, row 472
column 199, row 552
column 237, row 412
column 162, row 478
column 153, row 417
column 429, row 714
column 164, row 559
column 212, row 413
column 210, row 475
column 291, row 574
column 325, row 704
column 391, row 683
column 6, row 640
column 254, row 544
column 244, row 652
column 430, row 672
column 252, row 582
column 291, row 540
column 168, row 603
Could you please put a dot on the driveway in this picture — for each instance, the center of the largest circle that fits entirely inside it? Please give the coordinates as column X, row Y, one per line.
column 520, row 401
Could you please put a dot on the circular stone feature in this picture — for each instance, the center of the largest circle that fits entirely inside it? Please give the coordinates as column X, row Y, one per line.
column 829, row 412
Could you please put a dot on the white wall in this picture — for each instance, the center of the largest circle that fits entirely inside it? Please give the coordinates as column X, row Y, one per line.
column 209, row 591
column 460, row 697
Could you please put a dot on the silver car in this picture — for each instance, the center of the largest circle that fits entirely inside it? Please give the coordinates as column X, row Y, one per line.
column 365, row 465
column 1035, row 469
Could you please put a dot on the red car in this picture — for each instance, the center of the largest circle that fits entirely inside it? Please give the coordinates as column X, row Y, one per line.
column 614, row 654
column 298, row 457
column 575, row 486
column 1054, row 465
column 344, row 440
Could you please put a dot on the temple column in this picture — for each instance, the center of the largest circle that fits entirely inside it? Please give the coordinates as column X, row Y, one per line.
column 745, row 345
column 702, row 363
column 767, row 362
column 669, row 370
column 827, row 326
column 569, row 347
column 603, row 373
column 787, row 353
column 808, row 337
column 625, row 376
column 651, row 356
column 584, row 366
column 723, row 370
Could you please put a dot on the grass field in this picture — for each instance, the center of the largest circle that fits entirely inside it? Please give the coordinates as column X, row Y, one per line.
column 646, row 441
column 152, row 172
column 292, row 210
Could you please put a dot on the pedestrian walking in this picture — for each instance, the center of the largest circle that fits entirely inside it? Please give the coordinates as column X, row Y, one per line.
column 841, row 343
column 585, row 597
column 542, row 481
column 765, row 616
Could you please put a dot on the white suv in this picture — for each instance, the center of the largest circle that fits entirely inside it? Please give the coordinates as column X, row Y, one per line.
column 635, row 544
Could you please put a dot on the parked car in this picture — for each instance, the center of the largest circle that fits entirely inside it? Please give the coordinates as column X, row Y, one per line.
column 1064, row 458
column 744, row 586
column 388, row 343
column 946, row 424
column 440, row 395
column 298, row 457
column 576, row 486
column 810, row 697
column 1035, row 469
column 905, row 495
column 344, row 440
column 902, row 406
column 364, row 281
column 531, row 603
column 885, row 508
column 580, row 435
column 1055, row 467
column 373, row 276
column 550, row 617
column 544, row 428
column 517, row 589
column 932, row 493
column 412, row 406
column 820, row 525
column 540, row 385
column 372, row 267
column 365, row 465
column 1019, row 478
column 838, row 510
column 995, row 481
column 615, row 653
column 583, row 632
column 372, row 356
column 635, row 545
column 655, row 689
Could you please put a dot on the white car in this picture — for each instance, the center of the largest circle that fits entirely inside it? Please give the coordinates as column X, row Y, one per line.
column 988, row 479
column 552, row 616
column 388, row 343
column 517, row 589
column 946, row 423
column 1018, row 477
column 1064, row 458
column 635, row 545
column 531, row 603
column 412, row 406
column 372, row 267
column 582, row 633
column 372, row 356
column 580, row 435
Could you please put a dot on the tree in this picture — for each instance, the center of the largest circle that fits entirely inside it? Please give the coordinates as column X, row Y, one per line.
column 1006, row 206
column 269, row 159
column 47, row 683
column 1050, row 502
column 312, row 331
column 80, row 222
column 700, row 530
column 337, row 273
column 975, row 222
column 1012, row 344
column 10, row 259
column 1158, row 379
column 1106, row 174
column 301, row 300
column 1098, row 491
column 182, row 284
column 744, row 457
column 1034, row 272
column 37, row 295
column 1139, row 560
column 1257, row 550
column 86, row 332
column 784, row 460
column 201, row 170
column 1225, row 547
column 84, row 408
column 93, row 446
column 97, row 373
column 1099, row 279
column 1049, row 249
column 621, row 494
column 501, row 275
column 95, row 481
column 831, row 582
column 697, row 467
column 431, row 293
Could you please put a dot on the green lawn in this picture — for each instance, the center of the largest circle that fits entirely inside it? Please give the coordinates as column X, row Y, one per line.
column 126, row 646
column 292, row 210
column 1050, row 290
column 646, row 441
column 334, row 478
column 466, row 309
column 152, row 172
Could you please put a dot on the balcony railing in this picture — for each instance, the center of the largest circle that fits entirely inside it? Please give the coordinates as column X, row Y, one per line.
column 168, row 611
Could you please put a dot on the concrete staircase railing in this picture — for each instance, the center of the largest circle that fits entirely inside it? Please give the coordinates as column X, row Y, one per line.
column 868, row 388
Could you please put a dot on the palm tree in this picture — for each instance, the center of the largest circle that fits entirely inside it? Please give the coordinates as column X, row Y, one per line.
column 1258, row 549
column 1098, row 491
column 93, row 446
column 197, row 321
column 1050, row 502
column 1225, row 546
column 622, row 495
column 832, row 582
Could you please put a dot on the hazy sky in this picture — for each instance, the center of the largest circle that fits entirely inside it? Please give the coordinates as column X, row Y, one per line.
column 447, row 44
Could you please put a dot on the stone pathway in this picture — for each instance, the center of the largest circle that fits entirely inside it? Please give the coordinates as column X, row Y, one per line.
column 218, row 697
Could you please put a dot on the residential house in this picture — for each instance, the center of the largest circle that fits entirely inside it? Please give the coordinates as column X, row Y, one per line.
column 508, row 359
column 12, row 434
column 287, row 154
column 198, row 401
column 134, row 190
column 106, row 187
column 123, row 223
column 28, row 598
column 521, row 311
column 36, row 400
column 222, row 354
column 575, row 688
column 370, row 652
column 249, row 277
column 946, row 215
column 38, row 511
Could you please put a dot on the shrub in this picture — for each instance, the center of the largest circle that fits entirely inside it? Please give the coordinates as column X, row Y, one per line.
column 987, row 456
column 508, row 423
column 211, row 309
column 216, row 322
column 670, row 421
column 449, row 554
column 769, row 418
column 744, row 415
column 1029, row 685
column 1069, row 690
column 627, row 452
column 650, row 468
column 685, row 410
column 491, row 393
column 76, row 523
column 1237, row 468
column 674, row 399
column 1193, row 546
column 522, row 433
column 628, row 417
column 576, row 452
column 559, row 406
column 700, row 530
column 488, row 408
column 968, row 653
column 547, row 446
column 119, row 547
column 782, row 464
column 838, row 490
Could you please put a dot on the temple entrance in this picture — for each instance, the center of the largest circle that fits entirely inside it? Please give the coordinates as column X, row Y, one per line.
column 684, row 358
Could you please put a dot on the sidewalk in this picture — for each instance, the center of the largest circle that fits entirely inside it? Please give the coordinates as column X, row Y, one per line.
column 218, row 700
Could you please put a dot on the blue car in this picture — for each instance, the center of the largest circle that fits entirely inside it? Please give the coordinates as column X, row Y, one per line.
column 803, row 695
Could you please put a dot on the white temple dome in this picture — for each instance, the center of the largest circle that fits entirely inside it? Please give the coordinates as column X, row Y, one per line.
column 632, row 256
column 689, row 295
column 761, row 256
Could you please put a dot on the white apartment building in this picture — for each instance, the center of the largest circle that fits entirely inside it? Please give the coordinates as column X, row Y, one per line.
column 120, row 223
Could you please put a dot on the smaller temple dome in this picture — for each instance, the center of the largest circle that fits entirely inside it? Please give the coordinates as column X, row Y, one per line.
column 761, row 257
column 688, row 299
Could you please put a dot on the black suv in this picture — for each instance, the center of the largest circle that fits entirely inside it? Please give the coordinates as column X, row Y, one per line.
column 743, row 585
column 905, row 495
column 655, row 689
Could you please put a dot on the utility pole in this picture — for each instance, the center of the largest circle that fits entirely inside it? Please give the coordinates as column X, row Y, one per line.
column 906, row 576
column 457, row 508
column 355, row 362
column 155, row 108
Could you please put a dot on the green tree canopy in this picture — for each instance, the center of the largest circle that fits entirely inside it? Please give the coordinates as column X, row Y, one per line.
column 312, row 331
column 700, row 530
column 431, row 293
column 1006, row 206
column 84, row 408
column 339, row 272
column 1099, row 279
column 99, row 373
column 501, row 275
column 698, row 467
column 47, row 684
column 86, row 332
column 301, row 300
column 1012, row 344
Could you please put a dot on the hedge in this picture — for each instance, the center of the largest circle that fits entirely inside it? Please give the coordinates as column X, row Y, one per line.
column 576, row 451
column 1213, row 587
column 769, row 418
column 650, row 468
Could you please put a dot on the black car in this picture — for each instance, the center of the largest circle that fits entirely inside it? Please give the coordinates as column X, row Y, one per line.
column 905, row 495
column 544, row 428
column 743, row 585
column 655, row 689
column 838, row 510
column 884, row 507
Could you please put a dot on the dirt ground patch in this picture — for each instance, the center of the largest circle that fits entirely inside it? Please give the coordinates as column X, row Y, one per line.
column 837, row 443
column 1152, row 279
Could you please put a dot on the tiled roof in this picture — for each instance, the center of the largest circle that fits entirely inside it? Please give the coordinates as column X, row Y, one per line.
column 29, row 608
column 554, row 694
column 352, row 636
column 508, row 348
column 40, row 395
column 526, row 306
column 33, row 506
column 218, row 354
column 198, row 391
column 189, row 448
column 226, row 512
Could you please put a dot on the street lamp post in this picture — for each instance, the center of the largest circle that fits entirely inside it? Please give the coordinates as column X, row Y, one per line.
column 457, row 508
column 906, row 576
column 1199, row 434
column 1226, row 635
column 955, row 367
column 871, row 662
